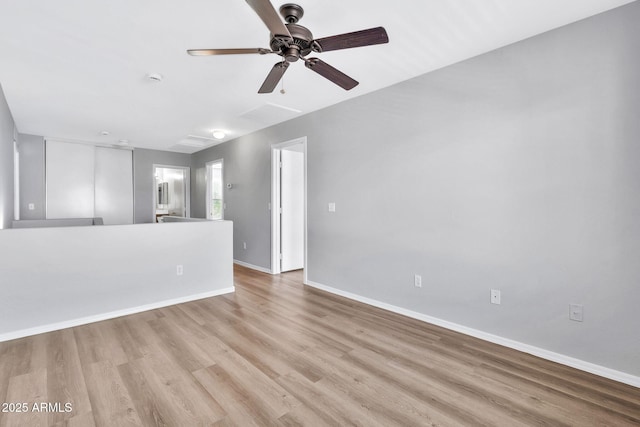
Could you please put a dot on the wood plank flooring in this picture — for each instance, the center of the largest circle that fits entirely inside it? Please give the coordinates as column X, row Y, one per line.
column 277, row 353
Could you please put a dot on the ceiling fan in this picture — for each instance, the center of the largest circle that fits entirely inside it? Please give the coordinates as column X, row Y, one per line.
column 293, row 42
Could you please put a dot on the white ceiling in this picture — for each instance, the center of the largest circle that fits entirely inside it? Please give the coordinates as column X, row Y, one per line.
column 72, row 68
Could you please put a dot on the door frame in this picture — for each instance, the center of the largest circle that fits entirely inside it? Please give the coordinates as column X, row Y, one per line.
column 208, row 186
column 16, row 181
column 276, row 148
column 187, row 190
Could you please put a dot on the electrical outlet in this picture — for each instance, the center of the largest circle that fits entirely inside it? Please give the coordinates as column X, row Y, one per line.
column 332, row 207
column 417, row 281
column 495, row 296
column 244, row 245
column 576, row 312
column 179, row 270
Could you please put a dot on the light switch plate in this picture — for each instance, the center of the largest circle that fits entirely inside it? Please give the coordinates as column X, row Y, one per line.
column 332, row 207
column 495, row 296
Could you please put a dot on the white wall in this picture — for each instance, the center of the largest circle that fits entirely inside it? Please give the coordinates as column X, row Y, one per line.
column 58, row 277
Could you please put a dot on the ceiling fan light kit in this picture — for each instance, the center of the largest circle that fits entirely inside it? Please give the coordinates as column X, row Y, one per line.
column 294, row 42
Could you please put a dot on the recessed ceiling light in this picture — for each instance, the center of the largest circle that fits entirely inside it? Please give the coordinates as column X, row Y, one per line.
column 104, row 133
column 218, row 134
column 123, row 142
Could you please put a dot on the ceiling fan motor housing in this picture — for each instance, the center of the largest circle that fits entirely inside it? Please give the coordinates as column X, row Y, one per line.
column 301, row 45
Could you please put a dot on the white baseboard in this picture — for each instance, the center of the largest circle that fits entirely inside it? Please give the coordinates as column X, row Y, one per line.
column 251, row 266
column 602, row 371
column 109, row 315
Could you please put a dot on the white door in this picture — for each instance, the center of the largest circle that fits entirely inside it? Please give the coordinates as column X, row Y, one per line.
column 114, row 185
column 70, row 180
column 292, row 203
column 84, row 181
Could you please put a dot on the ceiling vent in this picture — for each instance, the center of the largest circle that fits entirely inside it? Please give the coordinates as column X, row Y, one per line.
column 269, row 113
column 197, row 141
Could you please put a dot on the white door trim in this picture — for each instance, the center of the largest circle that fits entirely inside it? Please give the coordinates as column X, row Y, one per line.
column 208, row 186
column 16, row 181
column 275, row 203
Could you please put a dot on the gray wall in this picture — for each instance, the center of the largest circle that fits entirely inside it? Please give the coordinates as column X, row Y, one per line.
column 143, row 161
column 7, row 133
column 515, row 170
column 32, row 180
column 247, row 166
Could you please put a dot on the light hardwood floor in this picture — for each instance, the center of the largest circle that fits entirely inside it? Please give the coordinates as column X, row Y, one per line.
column 279, row 353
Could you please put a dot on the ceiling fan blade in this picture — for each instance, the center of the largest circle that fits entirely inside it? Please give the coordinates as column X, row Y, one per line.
column 328, row 72
column 208, row 52
column 368, row 37
column 274, row 77
column 270, row 17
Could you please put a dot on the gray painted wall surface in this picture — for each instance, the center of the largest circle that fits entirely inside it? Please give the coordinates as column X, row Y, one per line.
column 32, row 180
column 516, row 170
column 7, row 130
column 247, row 166
column 143, row 161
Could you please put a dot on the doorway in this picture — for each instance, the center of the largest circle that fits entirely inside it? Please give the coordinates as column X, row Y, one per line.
column 171, row 191
column 215, row 194
column 289, row 206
